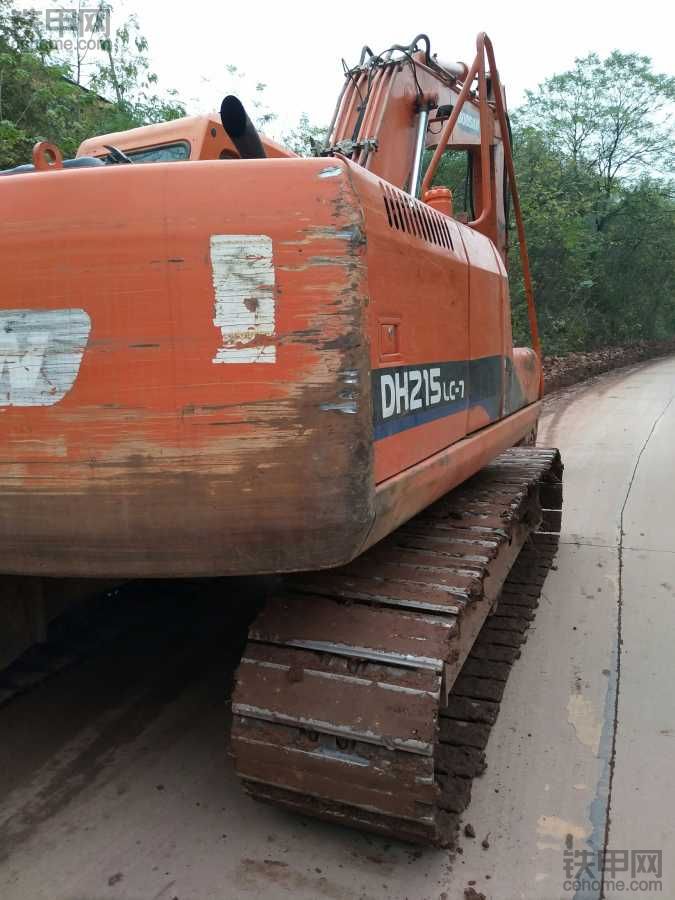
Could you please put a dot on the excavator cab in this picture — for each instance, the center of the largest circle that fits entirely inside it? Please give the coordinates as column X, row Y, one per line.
column 191, row 138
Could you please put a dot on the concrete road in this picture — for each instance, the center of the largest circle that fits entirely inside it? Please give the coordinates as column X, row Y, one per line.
column 114, row 783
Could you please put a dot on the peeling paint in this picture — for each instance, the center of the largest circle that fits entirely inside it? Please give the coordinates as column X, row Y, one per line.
column 348, row 406
column 342, row 262
column 330, row 172
column 350, row 376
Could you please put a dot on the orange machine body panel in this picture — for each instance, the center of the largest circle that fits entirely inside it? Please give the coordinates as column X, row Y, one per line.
column 229, row 367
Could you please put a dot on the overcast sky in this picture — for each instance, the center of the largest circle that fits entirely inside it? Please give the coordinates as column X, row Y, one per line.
column 295, row 46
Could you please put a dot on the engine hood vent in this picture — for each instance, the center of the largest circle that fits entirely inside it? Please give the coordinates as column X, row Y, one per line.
column 405, row 213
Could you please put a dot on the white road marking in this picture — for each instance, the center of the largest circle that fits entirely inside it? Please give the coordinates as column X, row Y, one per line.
column 244, row 286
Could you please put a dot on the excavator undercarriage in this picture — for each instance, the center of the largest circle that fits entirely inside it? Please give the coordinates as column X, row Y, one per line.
column 365, row 694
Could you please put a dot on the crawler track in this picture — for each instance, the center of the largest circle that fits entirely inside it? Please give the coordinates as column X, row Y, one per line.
column 366, row 694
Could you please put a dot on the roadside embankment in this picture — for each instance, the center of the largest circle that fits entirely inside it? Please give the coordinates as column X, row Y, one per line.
column 562, row 371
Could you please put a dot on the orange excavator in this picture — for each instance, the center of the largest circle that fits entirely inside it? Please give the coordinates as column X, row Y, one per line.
column 218, row 358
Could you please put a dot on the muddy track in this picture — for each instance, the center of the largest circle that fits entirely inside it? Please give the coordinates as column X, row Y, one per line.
column 366, row 694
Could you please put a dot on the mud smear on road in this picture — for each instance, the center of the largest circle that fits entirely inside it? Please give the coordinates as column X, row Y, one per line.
column 277, row 875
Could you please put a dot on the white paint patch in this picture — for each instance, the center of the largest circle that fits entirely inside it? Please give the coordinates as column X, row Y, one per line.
column 555, row 827
column 40, row 354
column 582, row 717
column 245, row 302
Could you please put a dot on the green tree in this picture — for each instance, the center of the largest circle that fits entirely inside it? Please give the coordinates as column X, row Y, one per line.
column 637, row 266
column 40, row 101
column 126, row 74
column 36, row 102
column 610, row 117
column 593, row 153
column 306, row 139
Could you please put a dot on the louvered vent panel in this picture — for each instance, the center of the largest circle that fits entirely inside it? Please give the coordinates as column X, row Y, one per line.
column 405, row 213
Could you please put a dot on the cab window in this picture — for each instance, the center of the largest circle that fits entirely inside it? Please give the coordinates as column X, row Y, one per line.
column 165, row 153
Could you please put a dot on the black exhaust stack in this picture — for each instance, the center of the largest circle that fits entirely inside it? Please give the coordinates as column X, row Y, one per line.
column 240, row 129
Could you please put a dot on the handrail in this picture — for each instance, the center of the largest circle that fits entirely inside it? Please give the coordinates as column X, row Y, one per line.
column 449, row 127
column 522, row 240
column 485, row 135
column 477, row 69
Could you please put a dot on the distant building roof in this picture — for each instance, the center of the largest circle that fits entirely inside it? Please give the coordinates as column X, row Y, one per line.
column 87, row 90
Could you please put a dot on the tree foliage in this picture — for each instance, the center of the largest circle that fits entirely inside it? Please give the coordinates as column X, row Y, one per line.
column 125, row 74
column 593, row 154
column 41, row 99
column 306, row 139
column 610, row 117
